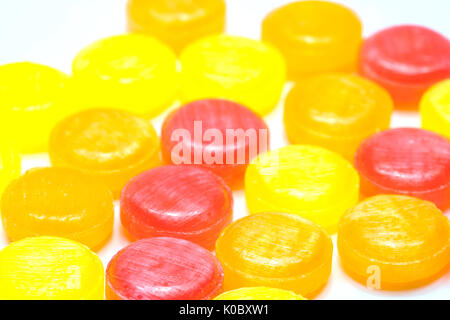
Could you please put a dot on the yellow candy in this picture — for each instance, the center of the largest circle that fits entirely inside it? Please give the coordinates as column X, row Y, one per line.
column 312, row 182
column 33, row 98
column 235, row 68
column 435, row 108
column 135, row 73
column 176, row 22
column 9, row 167
column 259, row 293
column 50, row 268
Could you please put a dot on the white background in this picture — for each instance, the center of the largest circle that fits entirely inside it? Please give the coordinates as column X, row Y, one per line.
column 53, row 31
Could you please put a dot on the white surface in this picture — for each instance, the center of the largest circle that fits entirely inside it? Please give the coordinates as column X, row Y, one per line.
column 52, row 31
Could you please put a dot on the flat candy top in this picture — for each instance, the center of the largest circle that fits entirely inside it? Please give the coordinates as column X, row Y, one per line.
column 407, row 54
column 177, row 198
column 405, row 159
column 164, row 269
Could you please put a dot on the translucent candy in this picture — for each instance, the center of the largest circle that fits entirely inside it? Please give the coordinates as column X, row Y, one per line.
column 312, row 182
column 220, row 135
column 177, row 201
column 314, row 37
column 406, row 161
column 406, row 60
column 394, row 242
column 110, row 145
column 336, row 111
column 49, row 268
column 435, row 109
column 9, row 167
column 275, row 250
column 33, row 98
column 135, row 73
column 235, row 68
column 176, row 22
column 259, row 293
column 163, row 269
column 58, row 202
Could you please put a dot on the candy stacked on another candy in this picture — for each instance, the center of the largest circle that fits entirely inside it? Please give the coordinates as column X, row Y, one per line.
column 382, row 190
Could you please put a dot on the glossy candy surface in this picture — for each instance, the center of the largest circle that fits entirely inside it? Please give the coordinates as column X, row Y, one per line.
column 314, row 37
column 33, row 98
column 404, row 241
column 177, row 201
column 176, row 22
column 235, row 68
column 336, row 111
column 135, row 73
column 58, row 202
column 312, row 182
column 406, row 60
column 9, row 167
column 50, row 268
column 259, row 293
column 197, row 134
column 275, row 250
column 110, row 145
column 435, row 109
column 406, row 161
column 163, row 269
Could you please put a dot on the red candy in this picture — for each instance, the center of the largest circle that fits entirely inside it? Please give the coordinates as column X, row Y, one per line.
column 406, row 60
column 185, row 202
column 163, row 269
column 406, row 161
column 197, row 134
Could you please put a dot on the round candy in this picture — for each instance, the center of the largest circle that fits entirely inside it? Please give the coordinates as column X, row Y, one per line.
column 235, row 68
column 111, row 145
column 177, row 201
column 336, row 111
column 259, row 293
column 10, row 167
column 163, row 269
column 58, row 202
column 406, row 161
column 33, row 98
column 435, row 109
column 135, row 73
column 312, row 182
column 178, row 22
column 394, row 242
column 276, row 250
column 406, row 60
column 314, row 37
column 50, row 268
column 220, row 135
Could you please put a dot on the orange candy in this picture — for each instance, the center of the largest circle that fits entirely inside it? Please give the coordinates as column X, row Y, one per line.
column 277, row 250
column 314, row 37
column 394, row 242
column 336, row 111
column 176, row 22
column 111, row 145
column 58, row 202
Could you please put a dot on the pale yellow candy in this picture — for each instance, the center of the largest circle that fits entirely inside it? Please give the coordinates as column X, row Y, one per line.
column 310, row 181
column 259, row 293
column 130, row 72
column 33, row 98
column 435, row 108
column 9, row 167
column 49, row 268
column 246, row 71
